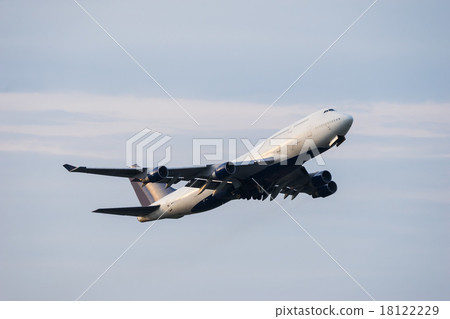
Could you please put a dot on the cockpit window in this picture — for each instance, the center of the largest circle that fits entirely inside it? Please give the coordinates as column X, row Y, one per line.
column 329, row 110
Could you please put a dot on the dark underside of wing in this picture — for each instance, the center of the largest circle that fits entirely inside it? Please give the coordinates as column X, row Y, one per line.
column 119, row 172
column 128, row 211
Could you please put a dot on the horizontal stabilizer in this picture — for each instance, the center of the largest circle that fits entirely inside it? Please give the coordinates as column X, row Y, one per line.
column 119, row 172
column 128, row 211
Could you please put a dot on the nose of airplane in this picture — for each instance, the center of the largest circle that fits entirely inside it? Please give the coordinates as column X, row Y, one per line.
column 347, row 121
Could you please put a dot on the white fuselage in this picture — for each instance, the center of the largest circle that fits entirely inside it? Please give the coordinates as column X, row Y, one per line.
column 305, row 138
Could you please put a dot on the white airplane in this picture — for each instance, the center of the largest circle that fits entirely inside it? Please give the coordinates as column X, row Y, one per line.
column 272, row 167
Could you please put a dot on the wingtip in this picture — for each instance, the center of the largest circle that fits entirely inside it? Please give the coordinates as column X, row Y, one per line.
column 69, row 167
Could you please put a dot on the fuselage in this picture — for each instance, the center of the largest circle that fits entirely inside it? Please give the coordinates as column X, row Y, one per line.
column 288, row 147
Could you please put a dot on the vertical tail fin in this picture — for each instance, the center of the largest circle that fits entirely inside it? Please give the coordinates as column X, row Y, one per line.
column 151, row 192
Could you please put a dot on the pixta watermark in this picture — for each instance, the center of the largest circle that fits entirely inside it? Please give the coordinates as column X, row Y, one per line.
column 149, row 148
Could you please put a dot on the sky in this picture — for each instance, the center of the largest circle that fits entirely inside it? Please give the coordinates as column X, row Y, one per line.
column 71, row 93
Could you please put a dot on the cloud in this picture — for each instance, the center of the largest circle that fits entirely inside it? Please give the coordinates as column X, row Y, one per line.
column 44, row 122
column 132, row 113
column 420, row 120
column 36, row 145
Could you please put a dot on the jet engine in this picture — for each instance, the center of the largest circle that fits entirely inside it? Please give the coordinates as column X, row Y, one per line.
column 323, row 184
column 157, row 174
column 224, row 170
column 327, row 189
column 320, row 178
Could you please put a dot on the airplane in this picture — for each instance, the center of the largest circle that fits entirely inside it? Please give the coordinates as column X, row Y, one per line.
column 274, row 166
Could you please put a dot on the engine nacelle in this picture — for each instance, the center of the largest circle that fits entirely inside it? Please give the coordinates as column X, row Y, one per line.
column 224, row 170
column 327, row 189
column 320, row 178
column 157, row 174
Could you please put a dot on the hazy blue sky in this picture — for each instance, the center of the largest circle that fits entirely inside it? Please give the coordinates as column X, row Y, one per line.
column 69, row 94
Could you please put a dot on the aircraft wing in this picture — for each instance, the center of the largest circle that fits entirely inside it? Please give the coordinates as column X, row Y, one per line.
column 242, row 170
column 174, row 175
column 253, row 179
column 119, row 172
column 317, row 184
column 187, row 173
column 135, row 174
